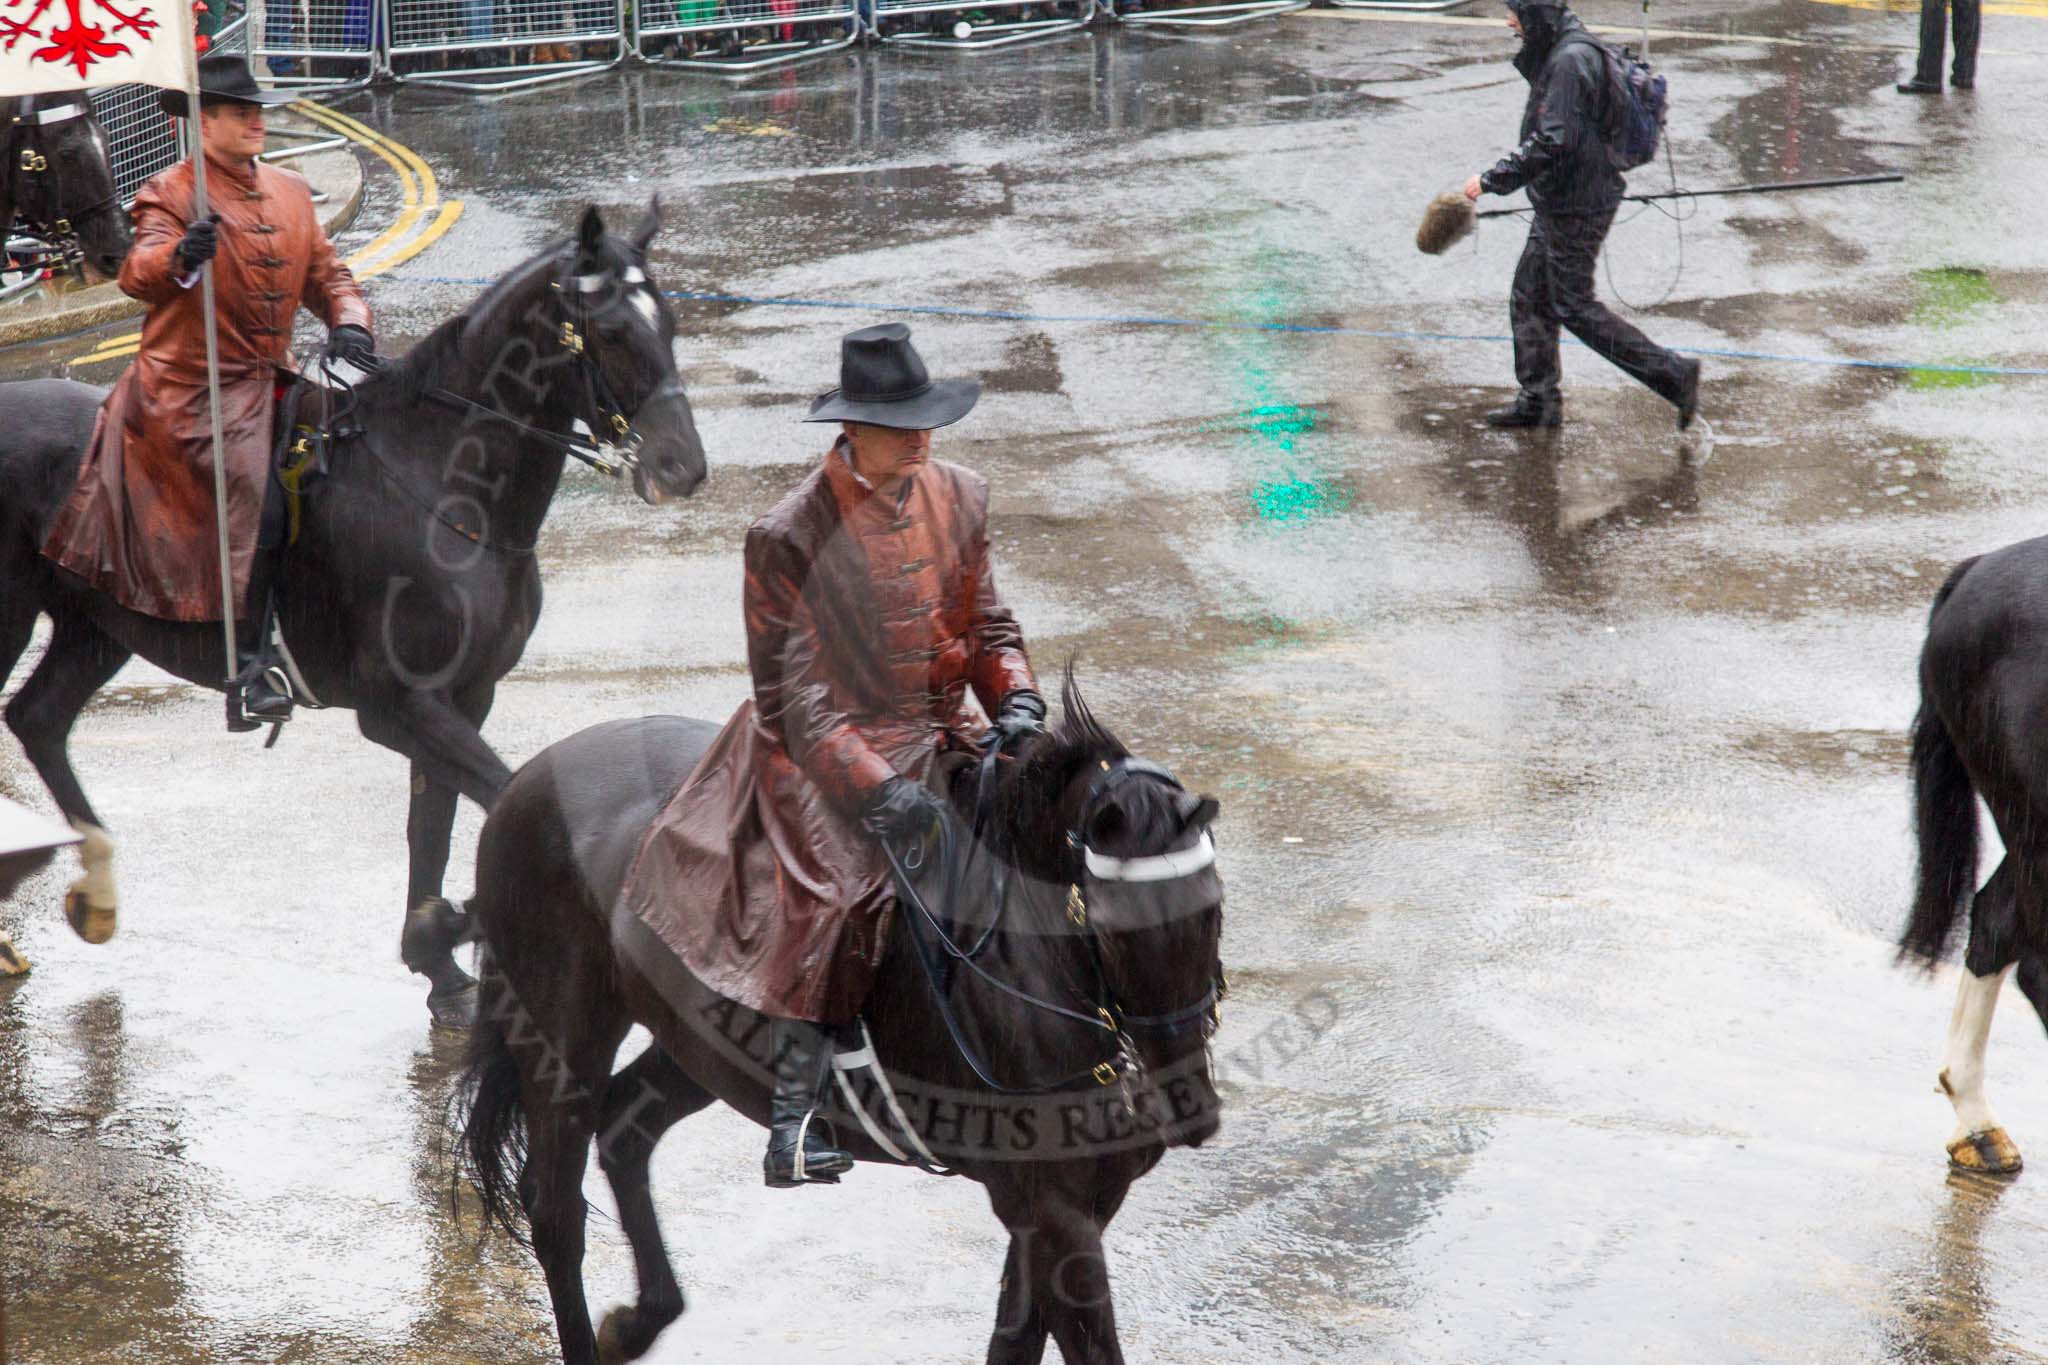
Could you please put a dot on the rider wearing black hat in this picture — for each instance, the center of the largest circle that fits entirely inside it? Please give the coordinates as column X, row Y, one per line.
column 140, row 524
column 1574, row 189
column 871, row 614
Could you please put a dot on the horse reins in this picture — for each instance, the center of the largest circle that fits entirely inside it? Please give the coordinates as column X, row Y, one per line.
column 25, row 160
column 1108, row 1015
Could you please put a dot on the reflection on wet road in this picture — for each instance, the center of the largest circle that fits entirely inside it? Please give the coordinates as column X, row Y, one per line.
column 1564, row 810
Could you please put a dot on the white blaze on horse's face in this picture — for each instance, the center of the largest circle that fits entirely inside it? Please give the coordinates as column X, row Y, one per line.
column 640, row 295
column 644, row 301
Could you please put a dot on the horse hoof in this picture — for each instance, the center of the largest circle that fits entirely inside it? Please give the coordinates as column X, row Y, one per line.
column 611, row 1338
column 433, row 929
column 1990, row 1152
column 93, row 923
column 629, row 1330
column 455, row 1008
column 12, row 963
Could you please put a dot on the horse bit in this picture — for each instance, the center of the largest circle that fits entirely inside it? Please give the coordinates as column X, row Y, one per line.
column 60, row 234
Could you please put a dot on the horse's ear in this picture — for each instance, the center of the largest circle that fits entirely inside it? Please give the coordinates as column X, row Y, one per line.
column 1204, row 813
column 1107, row 822
column 643, row 235
column 591, row 230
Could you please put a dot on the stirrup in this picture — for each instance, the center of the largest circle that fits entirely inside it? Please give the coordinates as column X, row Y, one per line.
column 273, row 708
column 805, row 1168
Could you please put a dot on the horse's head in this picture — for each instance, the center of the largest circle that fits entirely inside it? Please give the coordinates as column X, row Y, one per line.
column 1130, row 853
column 62, row 178
column 625, row 334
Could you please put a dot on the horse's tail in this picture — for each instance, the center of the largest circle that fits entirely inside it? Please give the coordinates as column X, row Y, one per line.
column 1944, row 819
column 492, row 1150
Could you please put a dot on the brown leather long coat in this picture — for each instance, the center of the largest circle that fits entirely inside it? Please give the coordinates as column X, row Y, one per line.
column 140, row 523
column 868, row 619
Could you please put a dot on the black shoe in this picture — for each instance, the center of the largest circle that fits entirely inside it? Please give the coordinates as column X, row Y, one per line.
column 1962, row 82
column 1916, row 86
column 1527, row 412
column 1689, row 393
column 798, row 1151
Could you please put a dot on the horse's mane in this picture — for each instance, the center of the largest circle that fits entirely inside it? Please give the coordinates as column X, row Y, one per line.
column 420, row 370
column 1027, row 803
column 428, row 364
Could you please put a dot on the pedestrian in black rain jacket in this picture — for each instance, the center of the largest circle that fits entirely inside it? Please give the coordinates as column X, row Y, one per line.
column 1564, row 165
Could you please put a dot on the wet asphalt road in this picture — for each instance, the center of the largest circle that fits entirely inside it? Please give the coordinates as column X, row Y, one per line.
column 1565, row 817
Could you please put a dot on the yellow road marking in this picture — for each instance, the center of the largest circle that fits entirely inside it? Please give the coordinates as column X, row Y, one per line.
column 422, row 195
column 450, row 211
column 411, row 212
column 2030, row 9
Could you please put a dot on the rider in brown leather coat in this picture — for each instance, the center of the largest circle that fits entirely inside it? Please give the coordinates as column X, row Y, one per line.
column 871, row 613
column 140, row 523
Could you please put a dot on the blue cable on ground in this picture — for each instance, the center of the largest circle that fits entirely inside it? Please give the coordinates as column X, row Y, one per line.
column 1299, row 328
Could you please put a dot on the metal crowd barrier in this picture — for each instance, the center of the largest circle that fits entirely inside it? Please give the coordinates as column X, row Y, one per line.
column 712, row 35
column 974, row 25
column 141, row 138
column 331, row 44
column 495, row 45
column 1219, row 16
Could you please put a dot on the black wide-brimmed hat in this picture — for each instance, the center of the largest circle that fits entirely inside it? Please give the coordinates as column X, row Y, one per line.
column 224, row 78
column 883, row 382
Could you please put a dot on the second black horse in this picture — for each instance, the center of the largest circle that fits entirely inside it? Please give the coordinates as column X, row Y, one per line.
column 1052, row 1047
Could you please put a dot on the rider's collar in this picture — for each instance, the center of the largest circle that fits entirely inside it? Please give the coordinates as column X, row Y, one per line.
column 843, row 448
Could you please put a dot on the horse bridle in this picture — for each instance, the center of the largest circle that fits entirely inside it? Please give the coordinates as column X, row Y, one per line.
column 20, row 148
column 1109, row 1016
column 602, row 410
column 614, row 447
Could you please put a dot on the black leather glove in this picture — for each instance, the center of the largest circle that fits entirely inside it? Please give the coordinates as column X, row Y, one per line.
column 201, row 240
column 1020, row 716
column 353, row 344
column 901, row 809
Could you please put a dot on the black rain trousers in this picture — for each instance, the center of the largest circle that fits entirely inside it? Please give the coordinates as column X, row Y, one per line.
column 1554, row 288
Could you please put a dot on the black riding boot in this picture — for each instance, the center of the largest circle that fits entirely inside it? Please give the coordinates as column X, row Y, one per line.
column 797, row 1150
column 261, row 694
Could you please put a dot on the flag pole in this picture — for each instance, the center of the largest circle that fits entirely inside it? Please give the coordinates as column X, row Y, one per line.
column 220, row 469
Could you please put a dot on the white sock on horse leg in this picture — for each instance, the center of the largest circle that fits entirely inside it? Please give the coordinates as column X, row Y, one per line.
column 96, row 856
column 1969, row 1030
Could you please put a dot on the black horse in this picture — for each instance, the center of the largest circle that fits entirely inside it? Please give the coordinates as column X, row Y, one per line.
column 412, row 586
column 1055, row 1065
column 1983, row 694
column 56, row 176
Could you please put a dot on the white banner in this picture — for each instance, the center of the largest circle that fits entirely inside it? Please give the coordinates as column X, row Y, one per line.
column 23, row 831
column 81, row 44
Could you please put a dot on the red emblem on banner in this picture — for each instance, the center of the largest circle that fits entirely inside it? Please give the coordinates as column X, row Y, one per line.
column 68, row 35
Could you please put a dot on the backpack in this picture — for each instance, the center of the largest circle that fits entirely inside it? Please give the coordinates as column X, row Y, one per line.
column 1637, row 100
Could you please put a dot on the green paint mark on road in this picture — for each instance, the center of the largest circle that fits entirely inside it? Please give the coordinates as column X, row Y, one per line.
column 1299, row 500
column 1949, row 379
column 1950, row 294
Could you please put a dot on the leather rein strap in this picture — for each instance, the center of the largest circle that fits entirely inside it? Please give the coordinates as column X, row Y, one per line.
column 1107, row 1015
